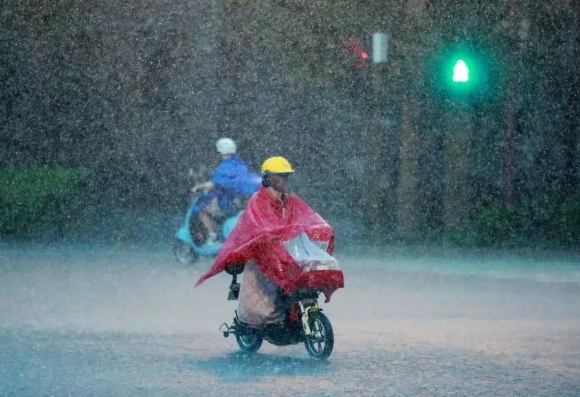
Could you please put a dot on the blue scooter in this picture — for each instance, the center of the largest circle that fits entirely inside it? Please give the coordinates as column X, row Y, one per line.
column 189, row 239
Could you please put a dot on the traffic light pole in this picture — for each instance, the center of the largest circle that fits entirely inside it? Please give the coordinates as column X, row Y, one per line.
column 408, row 188
column 457, row 195
column 379, row 198
column 374, row 179
column 510, row 110
column 509, row 142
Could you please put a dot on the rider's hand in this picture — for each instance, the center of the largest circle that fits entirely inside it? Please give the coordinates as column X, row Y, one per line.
column 202, row 186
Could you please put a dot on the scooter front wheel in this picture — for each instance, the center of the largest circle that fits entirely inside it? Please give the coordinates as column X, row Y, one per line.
column 249, row 342
column 321, row 341
column 184, row 253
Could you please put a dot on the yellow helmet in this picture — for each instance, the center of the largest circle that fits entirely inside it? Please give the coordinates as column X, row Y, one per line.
column 277, row 165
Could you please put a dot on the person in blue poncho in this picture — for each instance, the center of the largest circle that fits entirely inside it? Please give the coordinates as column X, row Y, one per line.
column 232, row 177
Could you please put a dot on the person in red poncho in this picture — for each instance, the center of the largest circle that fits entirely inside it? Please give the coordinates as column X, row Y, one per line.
column 271, row 219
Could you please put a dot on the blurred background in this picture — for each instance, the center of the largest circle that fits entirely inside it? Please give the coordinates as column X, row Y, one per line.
column 460, row 126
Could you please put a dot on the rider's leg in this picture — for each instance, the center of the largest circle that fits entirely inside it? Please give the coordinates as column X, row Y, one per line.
column 206, row 217
column 207, row 222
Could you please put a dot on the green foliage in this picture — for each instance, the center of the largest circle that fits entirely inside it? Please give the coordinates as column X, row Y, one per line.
column 567, row 222
column 552, row 216
column 31, row 199
column 497, row 225
column 538, row 218
column 464, row 237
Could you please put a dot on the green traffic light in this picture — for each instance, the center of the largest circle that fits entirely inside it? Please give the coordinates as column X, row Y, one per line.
column 460, row 72
column 463, row 73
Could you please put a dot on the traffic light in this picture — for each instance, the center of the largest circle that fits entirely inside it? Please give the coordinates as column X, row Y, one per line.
column 461, row 75
column 460, row 72
column 357, row 50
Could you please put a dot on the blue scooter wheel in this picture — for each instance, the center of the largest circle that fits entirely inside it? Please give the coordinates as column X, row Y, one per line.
column 184, row 253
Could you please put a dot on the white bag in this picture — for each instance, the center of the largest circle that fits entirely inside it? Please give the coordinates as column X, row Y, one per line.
column 310, row 255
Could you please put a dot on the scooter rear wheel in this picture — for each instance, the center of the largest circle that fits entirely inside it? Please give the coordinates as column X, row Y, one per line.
column 249, row 342
column 184, row 253
column 320, row 344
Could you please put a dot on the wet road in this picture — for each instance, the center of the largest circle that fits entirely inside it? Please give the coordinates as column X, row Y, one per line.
column 124, row 321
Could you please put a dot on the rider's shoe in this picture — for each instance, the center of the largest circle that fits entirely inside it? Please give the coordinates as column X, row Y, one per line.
column 212, row 239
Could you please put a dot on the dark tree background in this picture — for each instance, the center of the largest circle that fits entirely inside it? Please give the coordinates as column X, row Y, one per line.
column 137, row 92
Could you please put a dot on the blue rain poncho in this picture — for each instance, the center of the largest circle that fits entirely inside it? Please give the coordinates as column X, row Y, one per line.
column 232, row 177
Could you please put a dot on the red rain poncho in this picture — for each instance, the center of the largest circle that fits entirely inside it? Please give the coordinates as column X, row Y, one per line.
column 260, row 234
